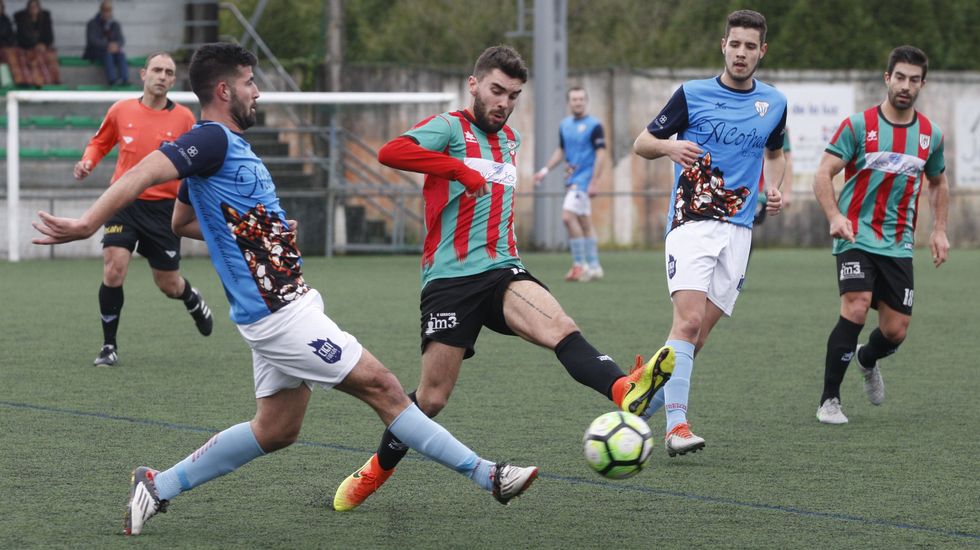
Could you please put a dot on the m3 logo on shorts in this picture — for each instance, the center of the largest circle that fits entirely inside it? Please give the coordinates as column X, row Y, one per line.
column 326, row 350
column 440, row 321
column 851, row 270
column 671, row 266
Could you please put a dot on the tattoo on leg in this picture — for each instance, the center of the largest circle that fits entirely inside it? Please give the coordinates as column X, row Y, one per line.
column 528, row 302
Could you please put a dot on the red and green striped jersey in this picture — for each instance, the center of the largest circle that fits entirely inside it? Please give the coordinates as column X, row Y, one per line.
column 465, row 235
column 883, row 176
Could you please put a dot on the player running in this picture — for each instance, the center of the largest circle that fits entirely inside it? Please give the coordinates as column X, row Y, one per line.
column 139, row 126
column 725, row 127
column 885, row 150
column 472, row 276
column 295, row 346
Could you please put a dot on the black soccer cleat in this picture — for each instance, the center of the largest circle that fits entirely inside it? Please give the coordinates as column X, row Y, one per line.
column 201, row 314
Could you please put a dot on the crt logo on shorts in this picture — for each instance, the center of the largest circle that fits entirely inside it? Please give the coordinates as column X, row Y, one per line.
column 326, row 350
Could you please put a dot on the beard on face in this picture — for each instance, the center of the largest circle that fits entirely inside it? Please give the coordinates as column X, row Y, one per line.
column 901, row 103
column 243, row 116
column 736, row 78
column 482, row 116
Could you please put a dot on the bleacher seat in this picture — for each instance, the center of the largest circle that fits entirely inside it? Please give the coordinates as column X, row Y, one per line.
column 82, row 121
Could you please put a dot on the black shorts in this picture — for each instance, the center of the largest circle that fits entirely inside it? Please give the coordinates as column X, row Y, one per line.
column 144, row 226
column 889, row 279
column 454, row 310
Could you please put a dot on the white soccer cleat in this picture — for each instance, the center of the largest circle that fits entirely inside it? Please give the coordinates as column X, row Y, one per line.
column 510, row 481
column 681, row 441
column 596, row 273
column 144, row 501
column 874, row 385
column 830, row 412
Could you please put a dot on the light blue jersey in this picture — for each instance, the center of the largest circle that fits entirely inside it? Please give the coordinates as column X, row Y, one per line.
column 580, row 139
column 732, row 127
column 251, row 246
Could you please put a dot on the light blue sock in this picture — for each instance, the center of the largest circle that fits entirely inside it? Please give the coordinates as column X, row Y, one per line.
column 424, row 435
column 592, row 252
column 655, row 403
column 578, row 250
column 225, row 452
column 677, row 388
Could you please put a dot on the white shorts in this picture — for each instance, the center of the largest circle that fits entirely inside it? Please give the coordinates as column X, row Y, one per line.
column 577, row 202
column 299, row 344
column 710, row 256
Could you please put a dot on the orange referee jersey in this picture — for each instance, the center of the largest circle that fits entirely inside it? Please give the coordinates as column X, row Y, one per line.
column 139, row 131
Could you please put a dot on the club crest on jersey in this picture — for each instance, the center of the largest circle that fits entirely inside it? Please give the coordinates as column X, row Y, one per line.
column 761, row 107
column 924, row 141
column 469, row 137
column 326, row 350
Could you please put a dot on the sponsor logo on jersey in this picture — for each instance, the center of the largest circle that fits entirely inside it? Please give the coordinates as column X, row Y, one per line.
column 192, row 151
column 128, row 139
column 761, row 107
column 327, row 350
column 924, row 141
column 469, row 137
column 851, row 270
column 872, row 136
column 671, row 266
column 894, row 163
column 440, row 321
column 580, row 127
column 662, row 120
column 113, row 229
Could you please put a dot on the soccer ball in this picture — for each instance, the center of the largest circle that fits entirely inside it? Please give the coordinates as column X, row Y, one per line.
column 617, row 444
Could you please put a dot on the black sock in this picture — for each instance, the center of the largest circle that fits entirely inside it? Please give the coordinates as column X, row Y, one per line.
column 392, row 450
column 877, row 347
column 586, row 365
column 110, row 305
column 840, row 349
column 188, row 297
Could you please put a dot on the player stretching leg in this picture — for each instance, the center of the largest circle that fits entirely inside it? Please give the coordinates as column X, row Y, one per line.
column 472, row 276
column 295, row 345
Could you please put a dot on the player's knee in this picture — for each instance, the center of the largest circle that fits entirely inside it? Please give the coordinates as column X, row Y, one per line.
column 276, row 436
column 564, row 325
column 895, row 333
column 433, row 405
column 855, row 308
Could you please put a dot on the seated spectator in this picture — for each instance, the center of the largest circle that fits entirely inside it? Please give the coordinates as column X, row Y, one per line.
column 37, row 60
column 8, row 39
column 103, row 44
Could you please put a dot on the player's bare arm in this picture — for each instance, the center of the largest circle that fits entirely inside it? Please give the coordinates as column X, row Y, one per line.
column 774, row 170
column 554, row 160
column 651, row 147
column 823, row 189
column 184, row 221
column 939, row 202
column 597, row 168
column 155, row 168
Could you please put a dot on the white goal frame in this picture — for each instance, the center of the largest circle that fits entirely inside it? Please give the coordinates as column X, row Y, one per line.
column 16, row 97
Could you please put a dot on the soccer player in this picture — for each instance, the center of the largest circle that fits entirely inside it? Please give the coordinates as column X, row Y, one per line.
column 725, row 126
column 139, row 126
column 583, row 146
column 228, row 199
column 885, row 150
column 472, row 276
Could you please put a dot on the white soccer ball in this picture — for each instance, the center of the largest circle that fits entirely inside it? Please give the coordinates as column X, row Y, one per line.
column 617, row 444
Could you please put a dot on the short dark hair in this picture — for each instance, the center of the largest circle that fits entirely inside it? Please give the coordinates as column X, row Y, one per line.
column 213, row 63
column 568, row 94
column 747, row 19
column 146, row 64
column 501, row 57
column 908, row 54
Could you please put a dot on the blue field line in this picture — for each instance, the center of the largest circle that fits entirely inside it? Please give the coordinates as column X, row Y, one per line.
column 574, row 480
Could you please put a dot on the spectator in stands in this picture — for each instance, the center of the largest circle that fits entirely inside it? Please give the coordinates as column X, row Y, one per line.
column 7, row 36
column 37, row 60
column 103, row 44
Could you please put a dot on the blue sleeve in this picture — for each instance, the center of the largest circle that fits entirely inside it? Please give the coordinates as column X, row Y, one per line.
column 183, row 195
column 776, row 138
column 598, row 137
column 198, row 152
column 673, row 118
